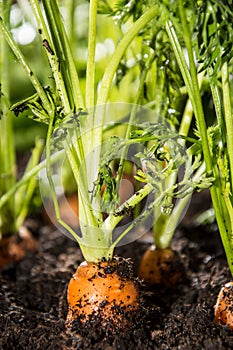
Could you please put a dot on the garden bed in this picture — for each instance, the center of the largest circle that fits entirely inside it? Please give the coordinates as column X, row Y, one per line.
column 33, row 297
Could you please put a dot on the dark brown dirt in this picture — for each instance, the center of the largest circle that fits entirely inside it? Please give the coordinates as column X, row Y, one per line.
column 33, row 297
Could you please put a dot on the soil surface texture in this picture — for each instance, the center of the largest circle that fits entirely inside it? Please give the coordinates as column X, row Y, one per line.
column 33, row 303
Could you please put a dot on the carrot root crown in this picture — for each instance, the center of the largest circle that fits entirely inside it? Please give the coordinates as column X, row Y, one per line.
column 107, row 290
column 160, row 267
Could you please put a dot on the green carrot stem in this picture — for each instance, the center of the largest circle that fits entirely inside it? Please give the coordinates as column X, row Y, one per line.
column 140, row 219
column 93, row 138
column 49, row 176
column 69, row 73
column 220, row 182
column 115, row 217
column 7, row 150
column 165, row 228
column 51, row 49
column 195, row 96
column 90, row 72
column 198, row 110
column 119, row 52
column 180, row 58
column 52, row 15
column 217, row 99
column 35, row 82
column 188, row 113
column 96, row 133
column 70, row 6
column 133, row 114
column 94, row 243
column 86, row 212
column 228, row 118
column 26, row 192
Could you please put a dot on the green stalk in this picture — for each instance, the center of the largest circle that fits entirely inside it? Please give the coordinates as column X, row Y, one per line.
column 219, row 110
column 92, row 137
column 228, row 186
column 165, row 226
column 186, row 119
column 180, row 59
column 220, row 184
column 132, row 116
column 35, row 82
column 134, row 201
column 195, row 96
column 52, row 56
column 228, row 117
column 66, row 62
column 96, row 134
column 7, row 151
column 90, row 72
column 70, row 6
column 119, row 52
column 58, row 61
column 85, row 211
column 67, row 81
column 94, row 242
column 80, row 154
column 24, row 196
column 115, row 217
column 198, row 110
column 49, row 176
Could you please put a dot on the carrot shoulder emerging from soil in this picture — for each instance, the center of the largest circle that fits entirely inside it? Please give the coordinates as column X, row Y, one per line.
column 107, row 290
column 223, row 309
column 161, row 267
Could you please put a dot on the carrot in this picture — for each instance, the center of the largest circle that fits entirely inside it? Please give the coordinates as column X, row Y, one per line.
column 14, row 248
column 223, row 309
column 160, row 267
column 107, row 290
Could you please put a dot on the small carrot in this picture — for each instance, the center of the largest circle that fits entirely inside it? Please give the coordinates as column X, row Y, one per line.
column 160, row 266
column 13, row 248
column 223, row 309
column 106, row 289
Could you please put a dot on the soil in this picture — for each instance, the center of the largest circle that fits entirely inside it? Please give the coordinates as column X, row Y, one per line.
column 33, row 303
